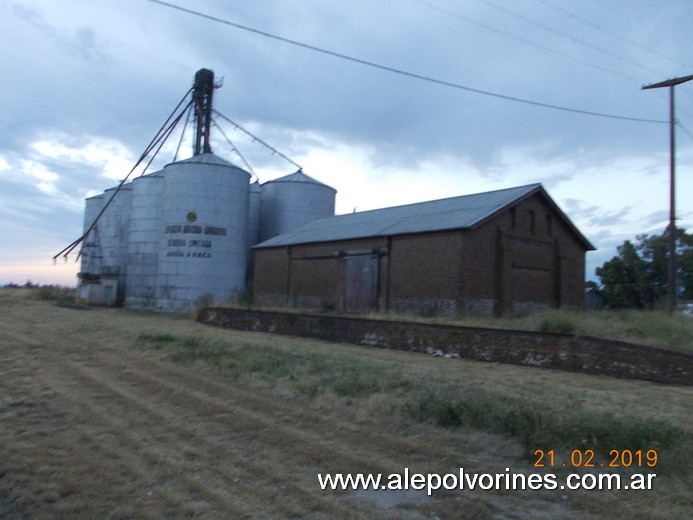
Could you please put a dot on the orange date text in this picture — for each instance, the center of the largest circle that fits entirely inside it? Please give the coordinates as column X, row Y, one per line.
column 586, row 458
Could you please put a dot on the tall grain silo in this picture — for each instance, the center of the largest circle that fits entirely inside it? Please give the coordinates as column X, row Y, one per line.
column 254, row 214
column 253, row 222
column 144, row 241
column 90, row 255
column 204, row 220
column 292, row 201
column 114, row 228
column 104, row 266
column 170, row 237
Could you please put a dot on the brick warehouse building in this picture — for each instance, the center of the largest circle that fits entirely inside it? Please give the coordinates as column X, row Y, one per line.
column 502, row 252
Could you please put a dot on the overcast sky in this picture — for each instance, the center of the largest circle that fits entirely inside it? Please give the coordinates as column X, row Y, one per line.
column 86, row 85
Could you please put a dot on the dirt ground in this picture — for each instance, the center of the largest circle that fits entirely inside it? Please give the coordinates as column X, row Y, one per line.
column 93, row 426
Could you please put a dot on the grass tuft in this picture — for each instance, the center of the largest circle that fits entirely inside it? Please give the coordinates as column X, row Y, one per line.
column 535, row 426
column 54, row 293
column 162, row 337
column 156, row 340
column 652, row 327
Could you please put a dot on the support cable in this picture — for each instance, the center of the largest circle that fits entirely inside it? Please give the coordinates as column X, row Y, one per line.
column 235, row 149
column 269, row 147
column 67, row 250
column 165, row 136
column 182, row 134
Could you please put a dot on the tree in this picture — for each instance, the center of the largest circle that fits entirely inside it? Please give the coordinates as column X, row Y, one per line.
column 638, row 276
column 623, row 279
column 685, row 266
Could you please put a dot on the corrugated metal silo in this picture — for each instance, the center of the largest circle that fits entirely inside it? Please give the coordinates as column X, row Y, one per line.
column 292, row 201
column 106, row 247
column 204, row 218
column 144, row 240
column 91, row 257
column 114, row 229
column 254, row 214
column 253, row 221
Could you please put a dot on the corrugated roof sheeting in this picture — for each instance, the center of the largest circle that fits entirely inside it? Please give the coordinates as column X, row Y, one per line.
column 438, row 215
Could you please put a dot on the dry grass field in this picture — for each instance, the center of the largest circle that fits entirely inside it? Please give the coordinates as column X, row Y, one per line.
column 109, row 413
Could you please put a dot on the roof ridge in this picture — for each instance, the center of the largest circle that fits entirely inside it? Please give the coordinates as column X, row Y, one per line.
column 430, row 202
column 440, row 214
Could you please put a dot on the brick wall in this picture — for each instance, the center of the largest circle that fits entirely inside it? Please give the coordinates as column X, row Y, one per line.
column 523, row 259
column 425, row 272
column 555, row 351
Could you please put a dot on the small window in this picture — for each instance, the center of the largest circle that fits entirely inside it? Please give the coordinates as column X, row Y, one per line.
column 513, row 218
column 549, row 225
column 532, row 222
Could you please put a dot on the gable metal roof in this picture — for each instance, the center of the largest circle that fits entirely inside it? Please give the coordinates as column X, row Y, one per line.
column 462, row 212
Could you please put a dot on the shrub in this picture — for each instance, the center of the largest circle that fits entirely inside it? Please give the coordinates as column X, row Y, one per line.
column 54, row 293
column 537, row 427
column 204, row 300
column 557, row 322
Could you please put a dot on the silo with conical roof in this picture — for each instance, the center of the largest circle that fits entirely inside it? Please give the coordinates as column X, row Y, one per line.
column 292, row 201
column 204, row 227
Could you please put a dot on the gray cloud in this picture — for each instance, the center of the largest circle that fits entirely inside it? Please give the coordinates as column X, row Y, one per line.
column 611, row 218
column 77, row 73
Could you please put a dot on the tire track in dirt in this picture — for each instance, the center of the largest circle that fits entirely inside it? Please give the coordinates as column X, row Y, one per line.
column 315, row 429
column 168, row 413
column 96, row 381
column 125, row 447
column 233, row 399
column 130, row 391
column 258, row 414
column 173, row 410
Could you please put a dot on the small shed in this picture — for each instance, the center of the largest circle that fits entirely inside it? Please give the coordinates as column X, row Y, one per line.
column 508, row 251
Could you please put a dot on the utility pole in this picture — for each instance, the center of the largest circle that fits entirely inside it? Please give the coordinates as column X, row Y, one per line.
column 671, row 83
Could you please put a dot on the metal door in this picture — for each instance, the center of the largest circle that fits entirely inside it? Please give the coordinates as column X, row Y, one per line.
column 360, row 283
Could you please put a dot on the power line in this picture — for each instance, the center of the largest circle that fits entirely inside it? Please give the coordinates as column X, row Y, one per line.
column 538, row 46
column 564, row 35
column 403, row 72
column 685, row 129
column 490, row 28
column 611, row 33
